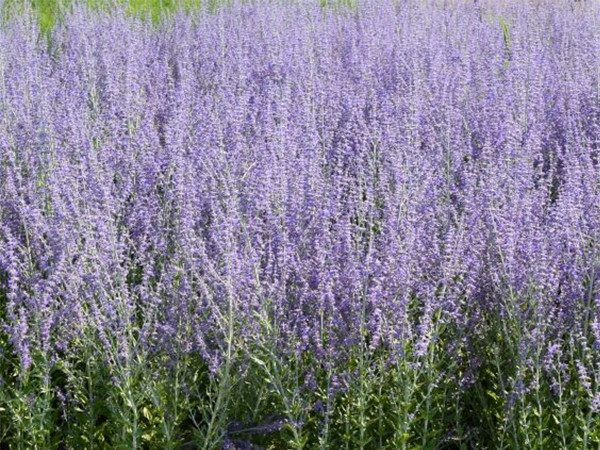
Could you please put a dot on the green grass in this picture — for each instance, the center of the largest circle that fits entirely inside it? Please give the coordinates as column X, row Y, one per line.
column 49, row 11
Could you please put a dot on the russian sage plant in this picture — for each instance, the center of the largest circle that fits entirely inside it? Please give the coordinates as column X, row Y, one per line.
column 310, row 225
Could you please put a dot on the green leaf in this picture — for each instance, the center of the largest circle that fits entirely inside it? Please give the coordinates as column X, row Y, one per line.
column 147, row 413
column 493, row 395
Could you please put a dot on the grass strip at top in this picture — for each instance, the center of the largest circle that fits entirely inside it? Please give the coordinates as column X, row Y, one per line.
column 49, row 11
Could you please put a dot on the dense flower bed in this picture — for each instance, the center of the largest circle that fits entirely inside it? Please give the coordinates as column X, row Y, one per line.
column 296, row 226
